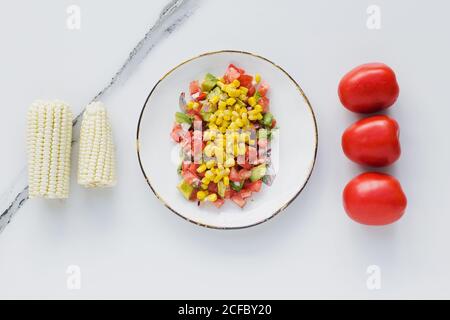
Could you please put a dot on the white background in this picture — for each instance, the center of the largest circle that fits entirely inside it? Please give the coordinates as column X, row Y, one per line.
column 129, row 246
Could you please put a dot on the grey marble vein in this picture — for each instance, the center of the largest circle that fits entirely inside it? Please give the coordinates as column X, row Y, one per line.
column 170, row 18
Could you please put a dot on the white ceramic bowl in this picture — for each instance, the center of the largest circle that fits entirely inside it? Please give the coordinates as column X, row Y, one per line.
column 296, row 141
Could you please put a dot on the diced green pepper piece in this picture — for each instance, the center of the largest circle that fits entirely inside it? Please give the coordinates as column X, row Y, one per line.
column 185, row 189
column 267, row 119
column 257, row 95
column 221, row 188
column 181, row 117
column 236, row 186
column 258, row 172
column 209, row 83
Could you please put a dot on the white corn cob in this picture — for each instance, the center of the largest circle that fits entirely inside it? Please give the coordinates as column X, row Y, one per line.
column 96, row 164
column 49, row 139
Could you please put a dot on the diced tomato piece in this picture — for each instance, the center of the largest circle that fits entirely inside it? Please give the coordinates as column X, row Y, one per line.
column 246, row 166
column 219, row 202
column 228, row 194
column 264, row 103
column 263, row 88
column 237, row 198
column 194, row 87
column 193, row 168
column 245, row 80
column 274, row 123
column 244, row 174
column 201, row 96
column 234, row 175
column 190, row 177
column 176, row 133
column 245, row 193
column 212, row 187
column 251, row 91
column 253, row 186
column 240, row 70
column 232, row 73
column 196, row 114
column 193, row 196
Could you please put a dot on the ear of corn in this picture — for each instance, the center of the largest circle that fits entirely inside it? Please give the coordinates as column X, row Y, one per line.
column 96, row 165
column 49, row 139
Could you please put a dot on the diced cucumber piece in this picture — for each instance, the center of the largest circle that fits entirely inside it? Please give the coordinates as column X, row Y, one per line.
column 185, row 189
column 209, row 83
column 267, row 119
column 258, row 172
column 214, row 92
column 181, row 117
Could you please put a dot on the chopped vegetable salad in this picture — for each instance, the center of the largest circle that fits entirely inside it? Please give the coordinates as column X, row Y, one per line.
column 224, row 130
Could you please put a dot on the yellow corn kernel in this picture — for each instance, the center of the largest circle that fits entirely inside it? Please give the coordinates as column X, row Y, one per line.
column 222, row 105
column 257, row 78
column 219, row 121
column 204, row 186
column 226, row 181
column 205, row 180
column 251, row 142
column 244, row 90
column 226, row 171
column 236, row 83
column 201, row 195
column 195, row 106
column 212, row 126
column 243, row 97
column 210, row 164
column 251, row 101
column 209, row 174
column 229, row 163
column 209, row 149
column 258, row 108
column 212, row 197
column 218, row 178
column 231, row 101
column 239, row 123
column 214, row 100
column 189, row 105
column 259, row 117
column 201, row 168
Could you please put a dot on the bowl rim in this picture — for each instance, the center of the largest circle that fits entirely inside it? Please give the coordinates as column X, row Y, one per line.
column 284, row 206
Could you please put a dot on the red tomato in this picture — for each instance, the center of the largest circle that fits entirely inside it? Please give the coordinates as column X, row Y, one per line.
column 237, row 198
column 245, row 80
column 274, row 123
column 244, row 174
column 177, row 132
column 193, row 196
column 234, row 175
column 369, row 88
column 219, row 202
column 194, row 87
column 190, row 177
column 372, row 141
column 201, row 96
column 240, row 70
column 251, row 91
column 264, row 103
column 253, row 186
column 232, row 73
column 263, row 88
column 374, row 199
column 245, row 193
column 212, row 187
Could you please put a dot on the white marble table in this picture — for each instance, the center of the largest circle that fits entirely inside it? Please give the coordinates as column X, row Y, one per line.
column 127, row 245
